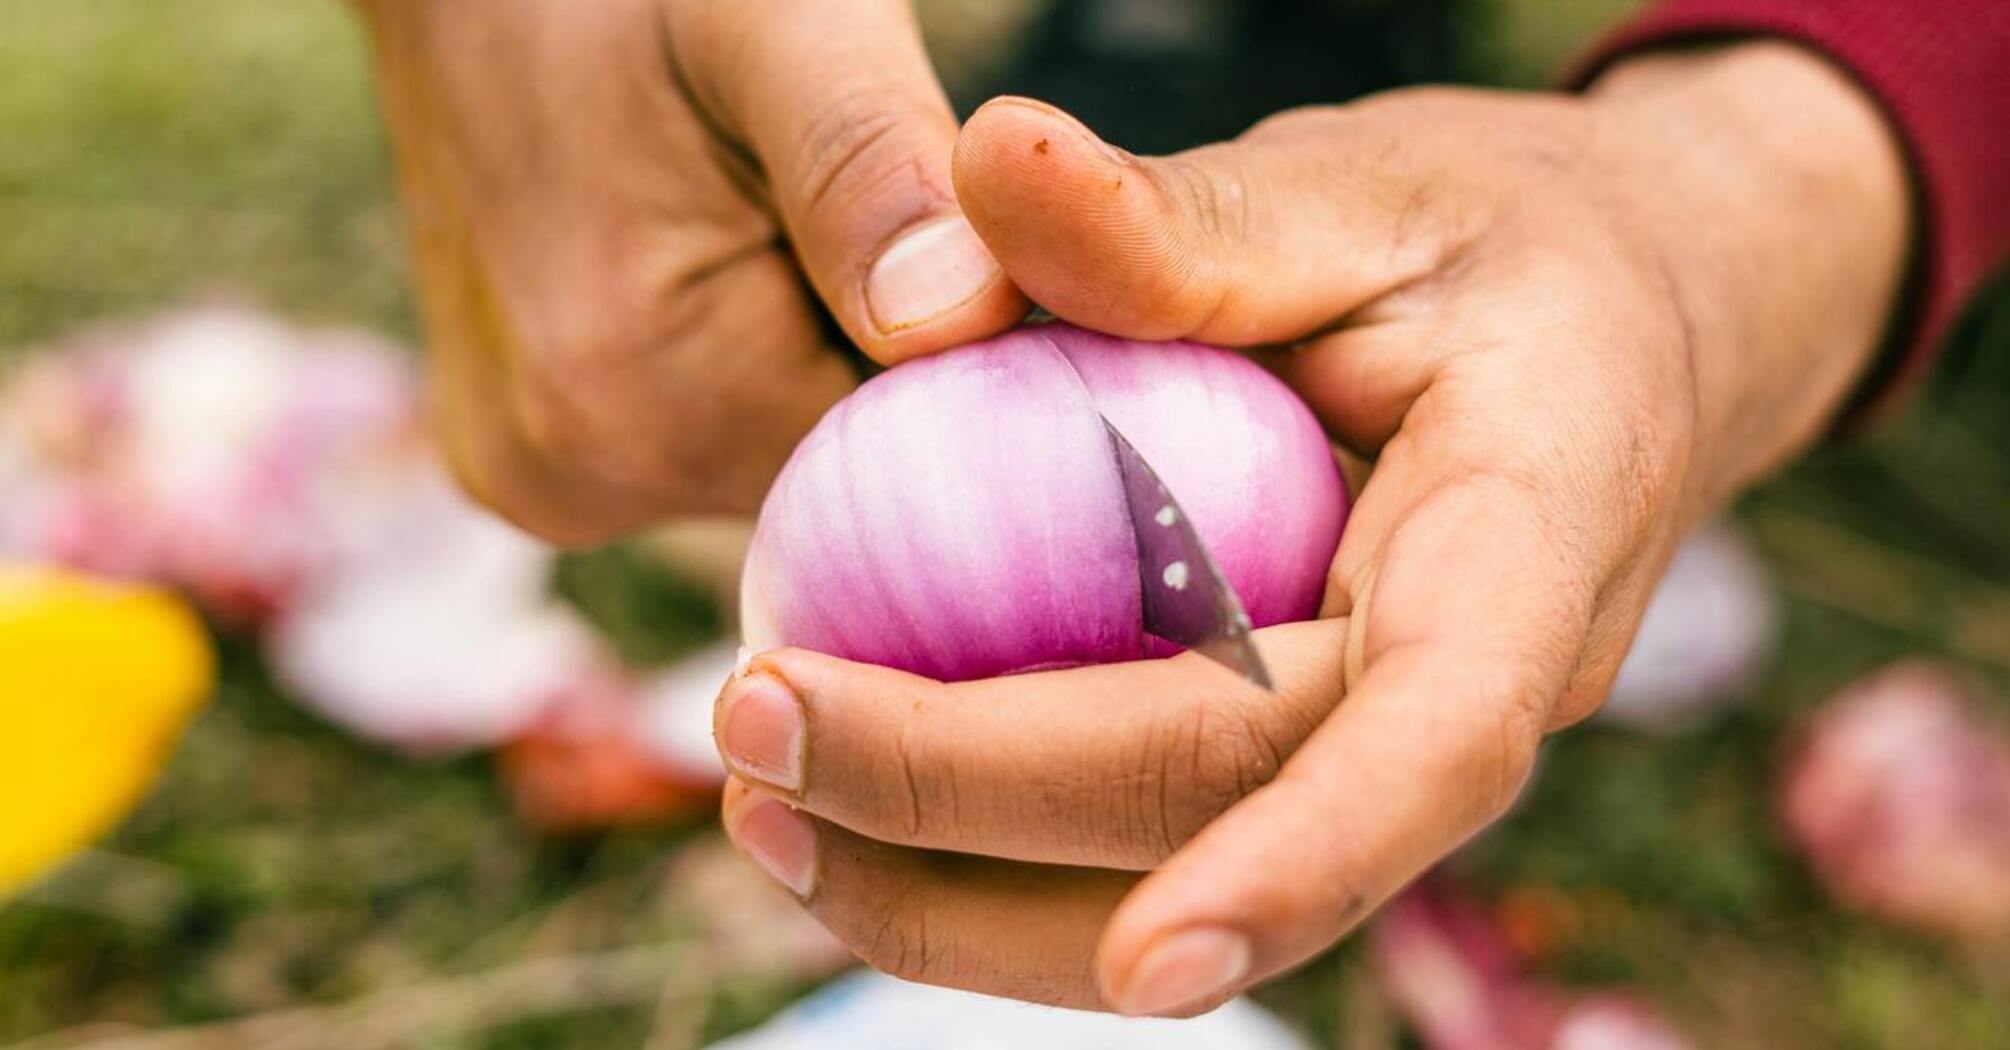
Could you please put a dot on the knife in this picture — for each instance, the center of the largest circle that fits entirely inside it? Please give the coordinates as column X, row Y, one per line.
column 1187, row 600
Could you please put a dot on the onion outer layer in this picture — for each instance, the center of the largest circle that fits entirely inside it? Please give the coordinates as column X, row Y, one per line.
column 961, row 516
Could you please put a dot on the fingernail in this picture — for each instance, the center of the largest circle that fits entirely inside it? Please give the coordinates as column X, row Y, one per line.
column 1184, row 969
column 930, row 270
column 782, row 841
column 761, row 731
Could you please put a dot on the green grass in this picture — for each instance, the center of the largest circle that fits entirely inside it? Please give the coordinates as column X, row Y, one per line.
column 153, row 150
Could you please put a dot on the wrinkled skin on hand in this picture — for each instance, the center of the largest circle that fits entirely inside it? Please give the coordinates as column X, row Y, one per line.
column 1566, row 329
column 622, row 212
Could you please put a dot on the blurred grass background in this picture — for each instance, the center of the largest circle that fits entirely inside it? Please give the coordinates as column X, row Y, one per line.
column 155, row 150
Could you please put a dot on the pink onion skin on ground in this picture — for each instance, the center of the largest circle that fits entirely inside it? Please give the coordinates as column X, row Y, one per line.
column 1450, row 969
column 1447, row 963
column 961, row 516
column 1899, row 797
column 215, row 448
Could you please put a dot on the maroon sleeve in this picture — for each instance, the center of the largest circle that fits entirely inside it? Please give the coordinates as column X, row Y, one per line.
column 1941, row 70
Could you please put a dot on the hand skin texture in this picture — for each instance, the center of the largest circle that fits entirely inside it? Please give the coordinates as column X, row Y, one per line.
column 621, row 211
column 1565, row 327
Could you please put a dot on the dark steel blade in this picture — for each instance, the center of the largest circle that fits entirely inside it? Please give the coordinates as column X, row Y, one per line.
column 1187, row 600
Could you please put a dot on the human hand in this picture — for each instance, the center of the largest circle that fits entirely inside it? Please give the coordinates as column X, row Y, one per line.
column 1566, row 327
column 615, row 207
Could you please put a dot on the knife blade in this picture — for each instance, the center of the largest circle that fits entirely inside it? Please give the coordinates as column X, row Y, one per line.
column 1187, row 600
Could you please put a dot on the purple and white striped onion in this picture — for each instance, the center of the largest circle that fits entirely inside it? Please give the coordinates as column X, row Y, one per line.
column 962, row 516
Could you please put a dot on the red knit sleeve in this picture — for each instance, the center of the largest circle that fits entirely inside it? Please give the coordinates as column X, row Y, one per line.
column 1941, row 70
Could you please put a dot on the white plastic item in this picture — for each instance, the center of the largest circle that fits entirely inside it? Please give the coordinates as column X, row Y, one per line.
column 871, row 1011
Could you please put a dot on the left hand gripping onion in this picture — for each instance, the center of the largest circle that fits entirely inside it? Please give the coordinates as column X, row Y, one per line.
column 962, row 516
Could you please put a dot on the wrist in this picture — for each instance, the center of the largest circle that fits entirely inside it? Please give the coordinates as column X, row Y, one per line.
column 1776, row 192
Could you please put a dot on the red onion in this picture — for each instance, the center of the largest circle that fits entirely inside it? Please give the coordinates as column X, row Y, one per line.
column 961, row 516
column 1900, row 797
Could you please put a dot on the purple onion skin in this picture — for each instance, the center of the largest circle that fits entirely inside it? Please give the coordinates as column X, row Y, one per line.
column 1240, row 452
column 961, row 516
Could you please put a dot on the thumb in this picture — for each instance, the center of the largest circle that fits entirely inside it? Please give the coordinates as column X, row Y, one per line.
column 841, row 111
column 1264, row 239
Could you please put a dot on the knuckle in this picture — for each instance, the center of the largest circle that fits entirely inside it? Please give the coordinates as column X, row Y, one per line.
column 1191, row 770
column 658, row 379
column 1215, row 200
column 913, row 786
column 898, row 942
column 1235, row 757
column 901, row 809
column 571, row 379
column 591, row 400
column 847, row 150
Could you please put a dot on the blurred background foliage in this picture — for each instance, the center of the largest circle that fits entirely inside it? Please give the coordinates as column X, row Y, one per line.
column 157, row 150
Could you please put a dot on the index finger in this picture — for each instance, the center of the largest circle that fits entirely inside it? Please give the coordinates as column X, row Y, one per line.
column 1113, row 766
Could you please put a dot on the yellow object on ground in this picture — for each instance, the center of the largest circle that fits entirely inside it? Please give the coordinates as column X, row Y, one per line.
column 97, row 681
